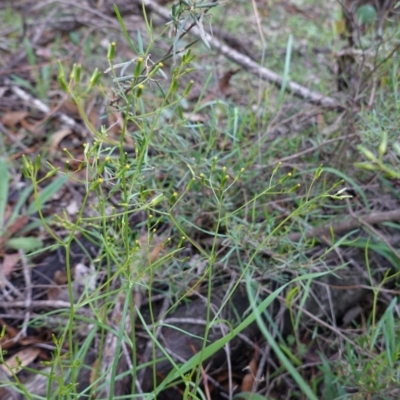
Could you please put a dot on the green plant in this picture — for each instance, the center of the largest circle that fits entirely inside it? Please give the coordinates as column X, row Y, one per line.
column 15, row 223
column 204, row 178
column 376, row 162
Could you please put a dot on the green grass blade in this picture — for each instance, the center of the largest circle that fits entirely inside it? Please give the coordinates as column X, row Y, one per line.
column 22, row 198
column 352, row 182
column 218, row 344
column 248, row 396
column 286, row 71
column 124, row 30
column 47, row 193
column 27, row 244
column 275, row 346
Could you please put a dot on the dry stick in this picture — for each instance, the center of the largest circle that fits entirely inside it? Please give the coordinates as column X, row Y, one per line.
column 51, row 304
column 251, row 66
column 39, row 105
column 349, row 224
column 345, row 226
column 373, row 230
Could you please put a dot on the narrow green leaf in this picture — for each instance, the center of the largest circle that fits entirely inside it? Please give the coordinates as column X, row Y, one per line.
column 22, row 198
column 352, row 183
column 396, row 147
column 286, row 71
column 124, row 30
column 35, row 224
column 366, row 14
column 275, row 346
column 47, row 193
column 27, row 244
column 383, row 144
column 368, row 154
column 218, row 344
column 248, row 396
column 140, row 42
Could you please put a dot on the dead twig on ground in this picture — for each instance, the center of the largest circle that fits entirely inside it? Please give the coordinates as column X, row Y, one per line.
column 251, row 66
column 368, row 225
column 36, row 304
column 352, row 222
column 39, row 105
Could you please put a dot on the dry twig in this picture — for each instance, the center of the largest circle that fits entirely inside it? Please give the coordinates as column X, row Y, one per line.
column 39, row 105
column 251, row 66
column 349, row 224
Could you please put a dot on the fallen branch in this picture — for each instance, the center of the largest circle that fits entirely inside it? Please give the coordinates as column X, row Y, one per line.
column 39, row 105
column 346, row 226
column 36, row 304
column 252, row 66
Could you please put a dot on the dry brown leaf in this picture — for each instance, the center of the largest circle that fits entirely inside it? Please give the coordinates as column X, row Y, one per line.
column 247, row 383
column 250, row 377
column 9, row 262
column 19, row 223
column 20, row 360
column 94, row 372
column 28, row 340
column 70, row 108
column 56, row 139
column 60, row 277
column 223, row 86
column 30, row 127
column 56, row 292
column 155, row 252
column 13, row 118
column 151, row 251
column 224, row 82
column 10, row 333
column 13, row 229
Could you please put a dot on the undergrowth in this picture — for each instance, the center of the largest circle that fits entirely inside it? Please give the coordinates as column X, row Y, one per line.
column 195, row 186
